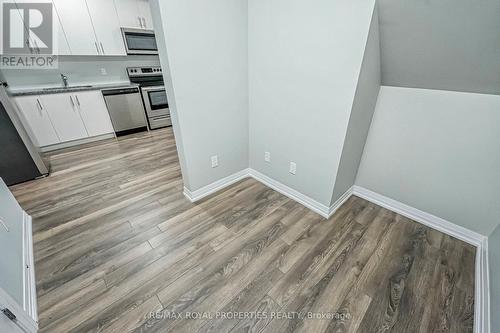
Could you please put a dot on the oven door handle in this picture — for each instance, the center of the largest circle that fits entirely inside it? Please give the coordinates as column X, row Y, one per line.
column 153, row 88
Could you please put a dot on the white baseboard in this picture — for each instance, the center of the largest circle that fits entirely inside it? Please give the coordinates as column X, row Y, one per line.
column 417, row 215
column 310, row 203
column 29, row 282
column 482, row 293
column 340, row 201
column 199, row 194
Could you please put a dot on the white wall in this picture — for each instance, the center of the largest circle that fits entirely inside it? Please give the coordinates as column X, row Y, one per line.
column 438, row 151
column 304, row 62
column 204, row 46
column 363, row 107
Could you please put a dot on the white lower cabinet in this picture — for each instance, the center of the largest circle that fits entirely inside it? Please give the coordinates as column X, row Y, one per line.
column 94, row 112
column 38, row 120
column 64, row 117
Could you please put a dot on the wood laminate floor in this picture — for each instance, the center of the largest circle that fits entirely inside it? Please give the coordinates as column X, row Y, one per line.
column 118, row 248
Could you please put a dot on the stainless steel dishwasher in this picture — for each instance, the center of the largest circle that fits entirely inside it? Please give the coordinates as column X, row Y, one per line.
column 126, row 110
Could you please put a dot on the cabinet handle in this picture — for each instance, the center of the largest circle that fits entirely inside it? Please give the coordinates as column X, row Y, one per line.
column 4, row 225
column 144, row 21
column 140, row 21
column 72, row 102
column 39, row 104
column 36, row 47
column 97, row 48
column 102, row 48
column 77, row 100
column 28, row 45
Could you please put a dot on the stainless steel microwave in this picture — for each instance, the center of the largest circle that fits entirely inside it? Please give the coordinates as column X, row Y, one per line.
column 139, row 41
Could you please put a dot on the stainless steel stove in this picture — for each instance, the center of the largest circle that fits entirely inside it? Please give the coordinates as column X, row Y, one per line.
column 154, row 96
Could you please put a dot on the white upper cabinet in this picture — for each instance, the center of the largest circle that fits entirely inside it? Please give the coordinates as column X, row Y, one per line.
column 65, row 116
column 94, row 112
column 62, row 46
column 106, row 26
column 77, row 26
column 91, row 27
column 17, row 28
column 134, row 14
column 128, row 13
column 145, row 13
column 38, row 120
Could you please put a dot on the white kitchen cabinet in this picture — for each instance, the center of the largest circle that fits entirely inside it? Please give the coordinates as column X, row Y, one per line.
column 134, row 14
column 65, row 116
column 106, row 26
column 62, row 47
column 77, row 25
column 18, row 29
column 128, row 13
column 35, row 114
column 94, row 112
column 145, row 13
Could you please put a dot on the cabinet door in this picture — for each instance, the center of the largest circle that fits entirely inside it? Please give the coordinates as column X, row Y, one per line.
column 94, row 112
column 63, row 112
column 35, row 114
column 145, row 12
column 62, row 45
column 75, row 20
column 128, row 13
column 18, row 30
column 106, row 26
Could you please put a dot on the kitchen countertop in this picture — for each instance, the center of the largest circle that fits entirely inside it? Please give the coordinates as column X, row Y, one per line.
column 44, row 90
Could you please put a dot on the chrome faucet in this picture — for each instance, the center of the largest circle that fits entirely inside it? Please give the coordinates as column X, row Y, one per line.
column 64, row 79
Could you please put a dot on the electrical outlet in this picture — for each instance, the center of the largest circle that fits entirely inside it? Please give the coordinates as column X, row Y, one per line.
column 293, row 168
column 215, row 161
column 103, row 71
column 267, row 156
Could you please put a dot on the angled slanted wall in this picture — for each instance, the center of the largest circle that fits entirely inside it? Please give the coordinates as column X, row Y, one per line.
column 437, row 151
column 441, row 44
column 363, row 107
column 304, row 63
